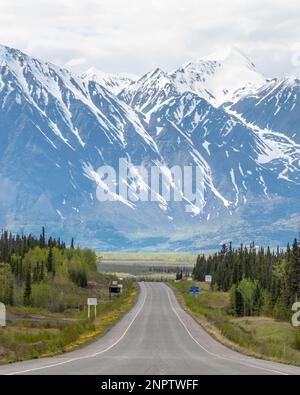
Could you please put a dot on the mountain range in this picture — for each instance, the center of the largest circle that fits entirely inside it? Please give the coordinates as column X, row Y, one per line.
column 219, row 114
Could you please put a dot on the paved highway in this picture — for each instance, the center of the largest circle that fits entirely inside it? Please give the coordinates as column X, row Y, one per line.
column 156, row 338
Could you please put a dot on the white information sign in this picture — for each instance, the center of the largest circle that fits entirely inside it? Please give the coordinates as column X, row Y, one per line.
column 2, row 315
column 92, row 302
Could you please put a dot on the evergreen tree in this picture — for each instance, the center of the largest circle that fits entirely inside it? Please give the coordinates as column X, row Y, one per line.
column 264, row 278
column 6, row 284
column 50, row 264
column 27, row 290
column 292, row 275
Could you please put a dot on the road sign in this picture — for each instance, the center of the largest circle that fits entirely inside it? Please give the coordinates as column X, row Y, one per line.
column 92, row 302
column 2, row 315
column 115, row 289
column 195, row 291
column 208, row 279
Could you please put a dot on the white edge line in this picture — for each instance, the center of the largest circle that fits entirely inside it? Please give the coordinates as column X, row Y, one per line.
column 87, row 356
column 216, row 355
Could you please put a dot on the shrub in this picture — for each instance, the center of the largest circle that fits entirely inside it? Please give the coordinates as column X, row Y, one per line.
column 246, row 298
column 280, row 312
column 297, row 339
column 6, row 284
column 78, row 272
column 40, row 295
column 236, row 301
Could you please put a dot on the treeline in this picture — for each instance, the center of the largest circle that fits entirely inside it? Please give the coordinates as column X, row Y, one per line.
column 34, row 269
column 186, row 271
column 20, row 244
column 259, row 280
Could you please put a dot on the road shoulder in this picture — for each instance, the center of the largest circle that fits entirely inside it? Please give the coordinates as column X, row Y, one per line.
column 215, row 343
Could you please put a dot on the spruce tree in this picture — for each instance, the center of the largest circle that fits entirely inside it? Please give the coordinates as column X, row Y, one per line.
column 27, row 291
column 50, row 261
column 291, row 280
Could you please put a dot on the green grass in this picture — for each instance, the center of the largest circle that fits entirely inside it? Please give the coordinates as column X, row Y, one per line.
column 261, row 337
column 24, row 340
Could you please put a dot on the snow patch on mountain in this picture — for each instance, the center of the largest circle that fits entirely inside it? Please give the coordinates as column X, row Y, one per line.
column 218, row 115
column 275, row 147
column 217, row 79
column 115, row 83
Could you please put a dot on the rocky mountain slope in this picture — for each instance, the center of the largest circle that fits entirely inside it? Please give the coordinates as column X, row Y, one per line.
column 220, row 116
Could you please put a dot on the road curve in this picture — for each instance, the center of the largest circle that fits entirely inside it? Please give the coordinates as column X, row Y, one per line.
column 157, row 337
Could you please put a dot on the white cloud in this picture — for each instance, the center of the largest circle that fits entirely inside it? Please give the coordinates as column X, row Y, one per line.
column 138, row 35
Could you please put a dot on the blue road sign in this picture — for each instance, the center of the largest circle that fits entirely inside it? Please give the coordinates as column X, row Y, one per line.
column 195, row 291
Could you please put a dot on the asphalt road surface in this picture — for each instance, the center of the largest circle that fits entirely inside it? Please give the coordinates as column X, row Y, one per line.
column 157, row 337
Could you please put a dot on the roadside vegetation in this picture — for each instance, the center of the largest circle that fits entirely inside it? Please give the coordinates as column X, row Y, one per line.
column 45, row 286
column 249, row 304
column 259, row 281
column 261, row 337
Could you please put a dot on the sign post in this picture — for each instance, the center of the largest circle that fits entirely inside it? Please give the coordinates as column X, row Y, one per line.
column 2, row 315
column 92, row 302
column 208, row 279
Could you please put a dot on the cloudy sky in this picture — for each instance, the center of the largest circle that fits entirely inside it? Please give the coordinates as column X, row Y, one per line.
column 138, row 35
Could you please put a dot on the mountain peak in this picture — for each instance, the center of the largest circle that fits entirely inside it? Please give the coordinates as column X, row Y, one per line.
column 5, row 48
column 94, row 72
column 158, row 72
column 4, row 51
column 237, row 56
column 218, row 76
column 115, row 83
column 231, row 57
column 2, row 48
column 157, row 76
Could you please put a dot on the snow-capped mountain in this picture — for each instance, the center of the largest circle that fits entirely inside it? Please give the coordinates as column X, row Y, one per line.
column 274, row 106
column 150, row 91
column 217, row 80
column 114, row 83
column 57, row 129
